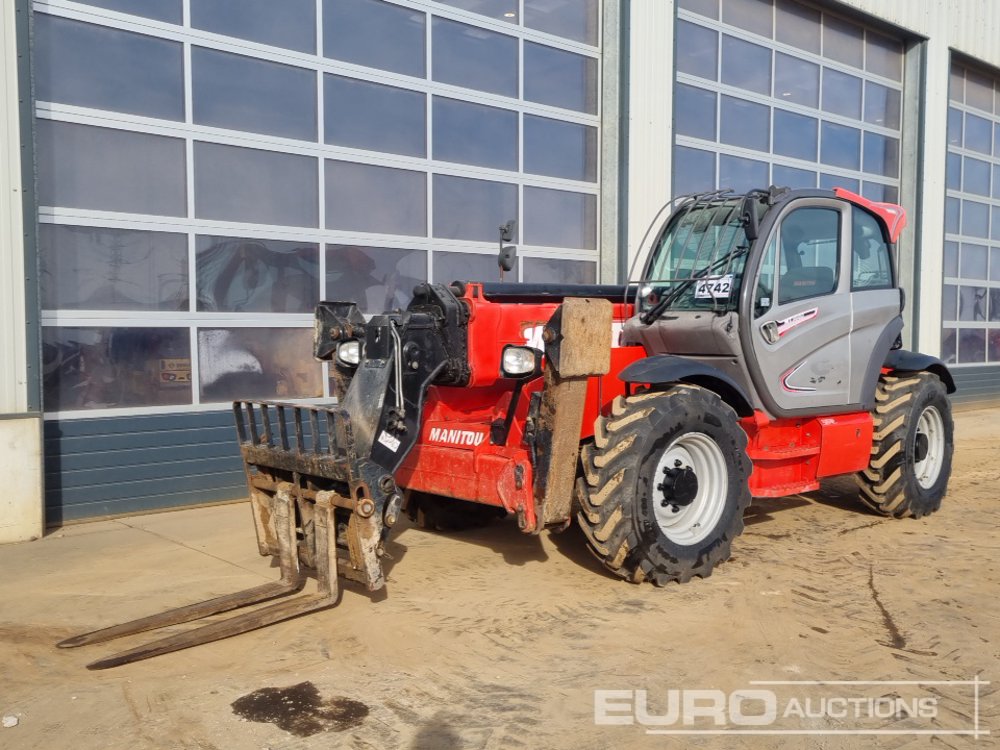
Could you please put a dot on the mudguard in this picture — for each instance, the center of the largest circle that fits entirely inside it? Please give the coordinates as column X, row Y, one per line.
column 901, row 360
column 669, row 368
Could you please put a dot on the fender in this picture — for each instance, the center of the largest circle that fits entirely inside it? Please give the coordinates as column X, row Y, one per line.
column 901, row 360
column 669, row 368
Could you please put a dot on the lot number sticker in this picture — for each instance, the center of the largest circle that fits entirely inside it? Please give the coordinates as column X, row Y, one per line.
column 714, row 287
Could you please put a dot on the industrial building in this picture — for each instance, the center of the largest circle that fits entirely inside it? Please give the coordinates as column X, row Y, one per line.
column 182, row 180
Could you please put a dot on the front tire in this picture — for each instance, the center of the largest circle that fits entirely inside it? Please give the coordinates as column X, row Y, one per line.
column 664, row 485
column 911, row 449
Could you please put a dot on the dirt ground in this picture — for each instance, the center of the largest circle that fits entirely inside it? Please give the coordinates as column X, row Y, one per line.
column 490, row 639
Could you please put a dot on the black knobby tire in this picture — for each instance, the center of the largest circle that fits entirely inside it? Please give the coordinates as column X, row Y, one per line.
column 896, row 482
column 618, row 491
column 438, row 513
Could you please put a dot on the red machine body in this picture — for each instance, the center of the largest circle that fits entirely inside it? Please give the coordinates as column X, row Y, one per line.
column 455, row 455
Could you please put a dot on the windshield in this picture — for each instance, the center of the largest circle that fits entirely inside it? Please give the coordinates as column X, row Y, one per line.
column 698, row 261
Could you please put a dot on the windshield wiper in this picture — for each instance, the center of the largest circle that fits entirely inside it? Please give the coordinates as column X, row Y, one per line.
column 668, row 299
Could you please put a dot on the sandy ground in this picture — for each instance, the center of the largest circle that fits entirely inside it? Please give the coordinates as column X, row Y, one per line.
column 490, row 639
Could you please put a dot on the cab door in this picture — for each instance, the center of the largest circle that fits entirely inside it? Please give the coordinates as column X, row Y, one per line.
column 875, row 302
column 800, row 350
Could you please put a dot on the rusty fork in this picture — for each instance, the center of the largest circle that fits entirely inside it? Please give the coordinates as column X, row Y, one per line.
column 292, row 580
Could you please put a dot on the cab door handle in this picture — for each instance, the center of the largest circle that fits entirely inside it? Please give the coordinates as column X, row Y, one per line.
column 769, row 331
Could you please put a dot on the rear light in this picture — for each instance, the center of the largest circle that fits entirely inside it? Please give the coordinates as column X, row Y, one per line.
column 349, row 353
column 520, row 361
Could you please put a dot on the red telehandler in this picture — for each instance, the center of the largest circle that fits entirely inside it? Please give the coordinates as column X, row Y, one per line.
column 759, row 353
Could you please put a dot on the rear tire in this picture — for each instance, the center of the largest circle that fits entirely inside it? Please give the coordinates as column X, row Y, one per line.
column 683, row 445
column 911, row 449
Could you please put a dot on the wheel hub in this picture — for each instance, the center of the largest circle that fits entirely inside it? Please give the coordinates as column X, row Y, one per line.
column 929, row 447
column 679, row 486
column 691, row 497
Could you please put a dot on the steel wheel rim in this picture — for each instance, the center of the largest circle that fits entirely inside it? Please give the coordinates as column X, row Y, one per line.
column 930, row 425
column 692, row 523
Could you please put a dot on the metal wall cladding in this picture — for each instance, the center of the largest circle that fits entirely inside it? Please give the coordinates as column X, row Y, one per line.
column 116, row 465
column 979, row 386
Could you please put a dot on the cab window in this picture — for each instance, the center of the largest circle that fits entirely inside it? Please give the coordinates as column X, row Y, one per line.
column 809, row 258
column 764, row 295
column 870, row 263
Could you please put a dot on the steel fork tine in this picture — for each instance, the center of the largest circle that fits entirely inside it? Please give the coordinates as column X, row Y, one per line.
column 291, row 581
column 326, row 596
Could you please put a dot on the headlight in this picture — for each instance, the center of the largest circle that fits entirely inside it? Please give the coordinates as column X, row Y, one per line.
column 349, row 353
column 520, row 361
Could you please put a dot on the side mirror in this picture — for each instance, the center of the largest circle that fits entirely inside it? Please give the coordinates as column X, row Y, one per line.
column 507, row 257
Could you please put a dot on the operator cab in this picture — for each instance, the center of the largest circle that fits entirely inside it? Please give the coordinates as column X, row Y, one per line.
column 790, row 293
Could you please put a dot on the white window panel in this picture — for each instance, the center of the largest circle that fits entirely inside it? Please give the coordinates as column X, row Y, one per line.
column 256, row 275
column 374, row 117
column 103, row 368
column 475, row 134
column 574, row 19
column 252, row 185
column 469, row 209
column 560, row 78
column 376, row 34
column 557, row 271
column 376, row 278
column 89, row 65
column 559, row 218
column 242, row 93
column 474, row 58
column 560, row 149
column 98, row 268
column 289, row 23
column 240, row 363
column 449, row 267
column 82, row 166
column 356, row 199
